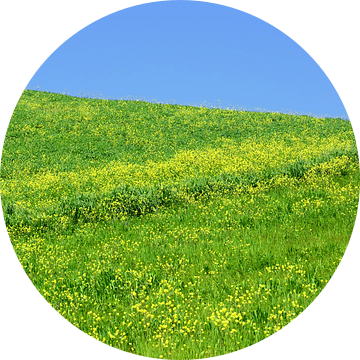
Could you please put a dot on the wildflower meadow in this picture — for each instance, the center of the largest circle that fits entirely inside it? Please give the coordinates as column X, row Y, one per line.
column 172, row 231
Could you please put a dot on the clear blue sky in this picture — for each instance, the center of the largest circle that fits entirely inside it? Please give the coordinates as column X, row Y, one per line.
column 190, row 53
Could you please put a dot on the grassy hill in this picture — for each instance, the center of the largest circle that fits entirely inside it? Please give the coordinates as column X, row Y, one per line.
column 176, row 231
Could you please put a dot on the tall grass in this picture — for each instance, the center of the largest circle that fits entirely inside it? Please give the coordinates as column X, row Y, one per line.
column 172, row 231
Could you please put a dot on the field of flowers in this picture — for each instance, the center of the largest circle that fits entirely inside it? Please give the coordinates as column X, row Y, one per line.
column 174, row 231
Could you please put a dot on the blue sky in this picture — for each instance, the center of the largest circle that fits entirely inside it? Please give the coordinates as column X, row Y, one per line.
column 190, row 53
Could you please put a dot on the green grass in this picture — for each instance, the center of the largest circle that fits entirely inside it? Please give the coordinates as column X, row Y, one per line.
column 173, row 231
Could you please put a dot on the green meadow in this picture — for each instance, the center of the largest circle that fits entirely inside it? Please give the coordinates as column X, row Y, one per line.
column 172, row 231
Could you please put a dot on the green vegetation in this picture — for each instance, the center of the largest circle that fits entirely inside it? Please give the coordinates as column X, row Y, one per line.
column 173, row 231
